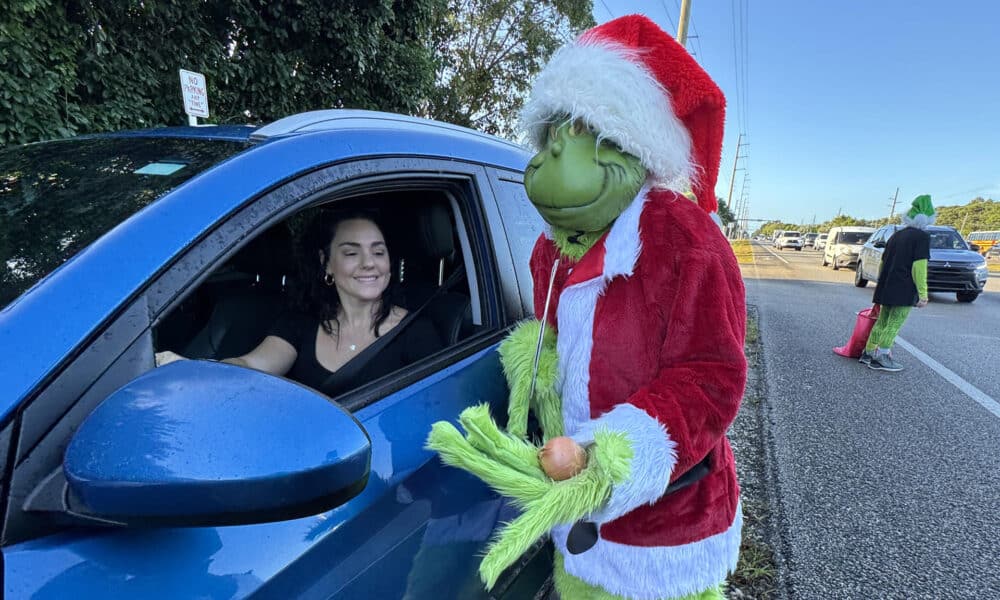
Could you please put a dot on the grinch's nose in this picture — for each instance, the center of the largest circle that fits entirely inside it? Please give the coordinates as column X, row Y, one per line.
column 556, row 147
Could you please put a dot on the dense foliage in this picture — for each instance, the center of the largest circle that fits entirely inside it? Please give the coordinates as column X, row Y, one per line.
column 83, row 66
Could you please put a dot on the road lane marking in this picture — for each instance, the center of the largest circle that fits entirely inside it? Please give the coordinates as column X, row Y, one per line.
column 953, row 378
column 781, row 258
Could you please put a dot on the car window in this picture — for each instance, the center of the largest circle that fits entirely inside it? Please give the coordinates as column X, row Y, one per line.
column 270, row 288
column 947, row 240
column 58, row 197
column 852, row 237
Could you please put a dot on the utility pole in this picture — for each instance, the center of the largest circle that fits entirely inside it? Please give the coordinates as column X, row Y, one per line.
column 732, row 178
column 682, row 23
column 892, row 211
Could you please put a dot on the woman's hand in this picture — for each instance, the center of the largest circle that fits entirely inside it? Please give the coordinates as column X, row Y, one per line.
column 166, row 357
column 921, row 302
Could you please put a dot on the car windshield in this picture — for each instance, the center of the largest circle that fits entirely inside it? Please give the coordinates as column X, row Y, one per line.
column 58, row 197
column 947, row 240
column 853, row 237
column 790, row 234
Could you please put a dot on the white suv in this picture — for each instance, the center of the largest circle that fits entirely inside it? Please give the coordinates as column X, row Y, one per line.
column 789, row 239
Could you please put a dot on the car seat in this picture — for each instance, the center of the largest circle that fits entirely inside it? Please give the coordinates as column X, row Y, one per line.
column 431, row 270
column 248, row 295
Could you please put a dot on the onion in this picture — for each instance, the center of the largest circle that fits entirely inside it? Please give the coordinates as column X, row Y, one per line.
column 562, row 458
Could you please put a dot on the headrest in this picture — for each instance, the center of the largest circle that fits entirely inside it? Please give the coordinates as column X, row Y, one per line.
column 269, row 254
column 435, row 233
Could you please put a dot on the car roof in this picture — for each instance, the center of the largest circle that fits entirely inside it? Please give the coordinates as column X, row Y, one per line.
column 314, row 121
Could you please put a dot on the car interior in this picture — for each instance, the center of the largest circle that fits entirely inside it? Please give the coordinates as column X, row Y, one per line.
column 231, row 311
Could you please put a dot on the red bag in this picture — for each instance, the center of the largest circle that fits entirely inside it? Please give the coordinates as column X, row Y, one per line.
column 862, row 329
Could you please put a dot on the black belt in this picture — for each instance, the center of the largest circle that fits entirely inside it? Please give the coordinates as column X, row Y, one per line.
column 583, row 535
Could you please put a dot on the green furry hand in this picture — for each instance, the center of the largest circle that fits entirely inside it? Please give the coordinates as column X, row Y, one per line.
column 510, row 466
column 517, row 355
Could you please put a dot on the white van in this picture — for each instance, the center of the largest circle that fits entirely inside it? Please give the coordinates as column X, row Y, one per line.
column 843, row 244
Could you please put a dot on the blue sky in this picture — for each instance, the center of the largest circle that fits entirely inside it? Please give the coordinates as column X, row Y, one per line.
column 847, row 100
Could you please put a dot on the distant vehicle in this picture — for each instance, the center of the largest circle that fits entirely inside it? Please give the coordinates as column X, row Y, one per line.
column 993, row 253
column 843, row 245
column 775, row 235
column 984, row 240
column 809, row 239
column 820, row 242
column 953, row 266
column 789, row 239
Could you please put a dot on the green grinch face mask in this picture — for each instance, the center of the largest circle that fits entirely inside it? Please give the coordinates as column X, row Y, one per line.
column 578, row 184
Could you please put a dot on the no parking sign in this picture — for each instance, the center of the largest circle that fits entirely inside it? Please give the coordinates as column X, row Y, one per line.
column 195, row 94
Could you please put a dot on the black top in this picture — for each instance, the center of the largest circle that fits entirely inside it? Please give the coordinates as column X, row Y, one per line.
column 417, row 339
column 895, row 285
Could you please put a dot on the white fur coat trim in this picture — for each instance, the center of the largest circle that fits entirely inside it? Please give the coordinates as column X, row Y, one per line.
column 655, row 572
column 653, row 460
column 654, row 455
column 575, row 315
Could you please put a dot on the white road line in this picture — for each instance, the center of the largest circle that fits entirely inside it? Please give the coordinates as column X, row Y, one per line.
column 781, row 258
column 953, row 378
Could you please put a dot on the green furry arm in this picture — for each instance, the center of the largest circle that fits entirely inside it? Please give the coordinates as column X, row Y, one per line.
column 510, row 465
column 566, row 501
column 517, row 355
column 919, row 272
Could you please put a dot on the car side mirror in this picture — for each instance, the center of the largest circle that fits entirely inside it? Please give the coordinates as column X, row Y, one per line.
column 878, row 244
column 199, row 443
column 974, row 247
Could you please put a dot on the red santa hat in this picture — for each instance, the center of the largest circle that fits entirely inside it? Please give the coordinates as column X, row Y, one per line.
column 636, row 86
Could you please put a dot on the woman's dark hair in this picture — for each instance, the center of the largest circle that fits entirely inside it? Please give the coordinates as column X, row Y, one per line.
column 313, row 296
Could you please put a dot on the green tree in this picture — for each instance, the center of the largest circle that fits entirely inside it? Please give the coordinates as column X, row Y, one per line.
column 725, row 213
column 489, row 53
column 95, row 65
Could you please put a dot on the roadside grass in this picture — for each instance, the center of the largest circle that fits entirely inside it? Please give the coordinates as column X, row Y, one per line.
column 743, row 251
column 756, row 574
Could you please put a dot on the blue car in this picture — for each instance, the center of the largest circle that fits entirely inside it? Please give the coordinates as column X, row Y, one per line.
column 202, row 479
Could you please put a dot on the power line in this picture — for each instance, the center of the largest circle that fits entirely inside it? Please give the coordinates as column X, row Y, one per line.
column 670, row 18
column 605, row 5
column 695, row 36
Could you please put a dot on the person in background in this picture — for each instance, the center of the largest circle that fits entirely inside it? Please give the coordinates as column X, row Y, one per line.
column 902, row 283
column 344, row 306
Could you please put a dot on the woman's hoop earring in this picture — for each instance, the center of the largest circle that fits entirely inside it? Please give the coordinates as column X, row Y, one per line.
column 328, row 279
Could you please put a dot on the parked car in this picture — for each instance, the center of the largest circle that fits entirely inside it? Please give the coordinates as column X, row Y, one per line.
column 789, row 239
column 843, row 244
column 203, row 479
column 820, row 242
column 953, row 266
column 809, row 239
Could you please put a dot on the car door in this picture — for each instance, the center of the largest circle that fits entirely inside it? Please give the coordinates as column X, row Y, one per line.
column 866, row 264
column 416, row 527
column 877, row 249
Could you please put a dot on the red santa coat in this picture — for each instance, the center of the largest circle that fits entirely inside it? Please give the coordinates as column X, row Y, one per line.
column 651, row 325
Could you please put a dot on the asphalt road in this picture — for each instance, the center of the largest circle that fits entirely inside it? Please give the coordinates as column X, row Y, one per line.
column 889, row 483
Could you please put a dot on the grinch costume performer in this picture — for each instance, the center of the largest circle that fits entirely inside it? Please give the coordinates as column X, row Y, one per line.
column 902, row 283
column 634, row 365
